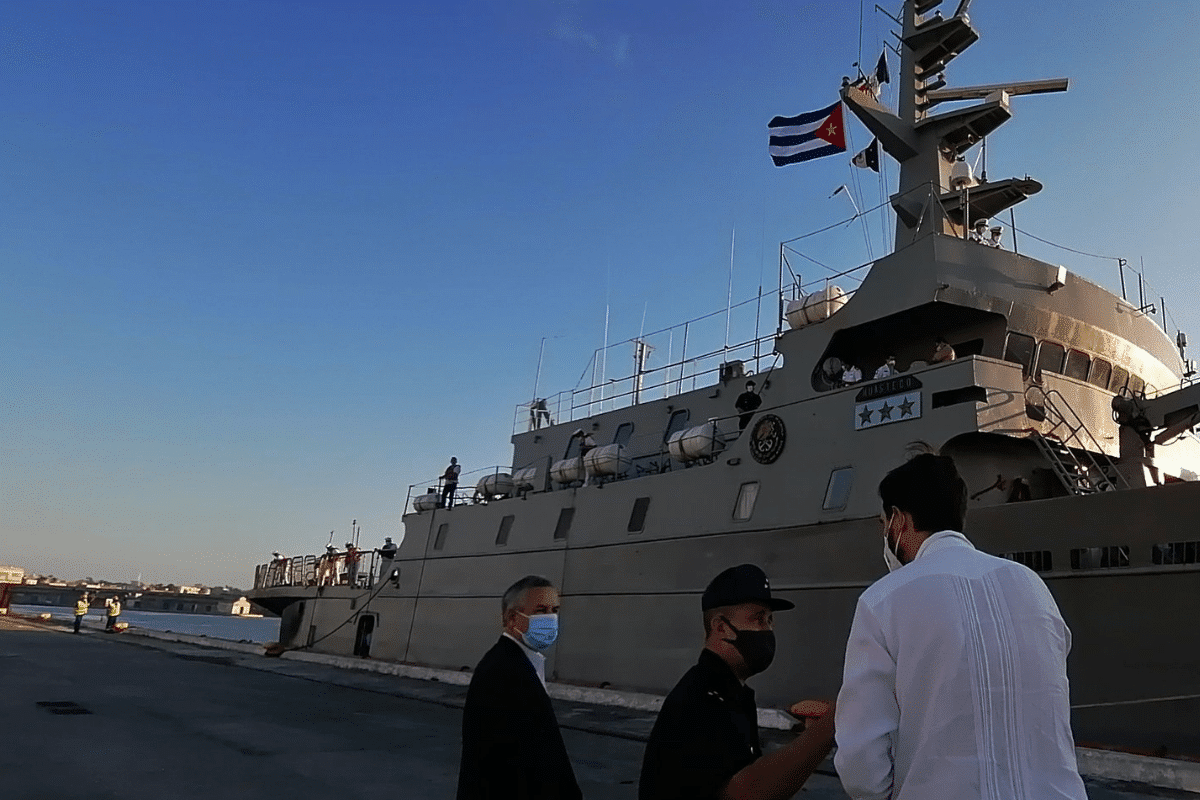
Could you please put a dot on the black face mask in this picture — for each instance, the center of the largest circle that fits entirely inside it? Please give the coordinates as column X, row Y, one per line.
column 757, row 648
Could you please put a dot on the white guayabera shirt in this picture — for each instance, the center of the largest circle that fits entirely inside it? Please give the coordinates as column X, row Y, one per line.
column 955, row 683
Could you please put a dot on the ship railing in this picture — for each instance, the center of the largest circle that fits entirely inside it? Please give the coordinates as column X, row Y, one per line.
column 463, row 494
column 336, row 568
column 665, row 363
column 732, row 362
column 648, row 454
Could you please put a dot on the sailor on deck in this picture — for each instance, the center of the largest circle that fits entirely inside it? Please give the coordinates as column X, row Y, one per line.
column 979, row 233
column 887, row 370
column 450, row 483
column 746, row 404
column 942, row 351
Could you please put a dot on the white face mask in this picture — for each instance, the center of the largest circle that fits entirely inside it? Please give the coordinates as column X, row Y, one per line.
column 889, row 556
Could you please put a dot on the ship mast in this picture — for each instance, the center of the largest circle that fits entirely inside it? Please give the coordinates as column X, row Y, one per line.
column 926, row 144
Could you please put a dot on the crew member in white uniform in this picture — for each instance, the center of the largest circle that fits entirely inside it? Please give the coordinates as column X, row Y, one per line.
column 955, row 682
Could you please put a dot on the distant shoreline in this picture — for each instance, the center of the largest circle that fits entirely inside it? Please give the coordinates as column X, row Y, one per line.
column 235, row 628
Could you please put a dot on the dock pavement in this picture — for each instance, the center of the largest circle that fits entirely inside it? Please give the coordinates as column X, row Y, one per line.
column 148, row 714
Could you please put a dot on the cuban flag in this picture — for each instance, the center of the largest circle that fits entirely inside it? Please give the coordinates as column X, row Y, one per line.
column 807, row 136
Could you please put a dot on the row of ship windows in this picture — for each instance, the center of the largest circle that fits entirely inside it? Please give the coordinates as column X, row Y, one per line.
column 837, row 494
column 1047, row 356
column 1111, row 557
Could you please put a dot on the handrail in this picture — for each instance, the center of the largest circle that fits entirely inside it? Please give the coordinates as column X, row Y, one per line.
column 1081, row 443
column 332, row 568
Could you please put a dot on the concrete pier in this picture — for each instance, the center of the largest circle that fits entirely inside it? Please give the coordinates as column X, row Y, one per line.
column 123, row 715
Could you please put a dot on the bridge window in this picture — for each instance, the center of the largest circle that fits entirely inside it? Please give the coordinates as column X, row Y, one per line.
column 743, row 509
column 1050, row 358
column 1101, row 373
column 1019, row 350
column 1136, row 384
column 1077, row 365
column 1120, row 377
column 440, row 540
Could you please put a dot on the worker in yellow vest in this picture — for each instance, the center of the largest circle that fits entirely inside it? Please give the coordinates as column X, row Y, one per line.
column 81, row 609
column 114, row 611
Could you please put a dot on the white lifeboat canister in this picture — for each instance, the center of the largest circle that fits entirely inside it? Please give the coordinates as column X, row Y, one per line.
column 568, row 470
column 525, row 479
column 609, row 460
column 794, row 312
column 425, row 502
column 675, row 446
column 815, row 307
column 498, row 484
column 702, row 441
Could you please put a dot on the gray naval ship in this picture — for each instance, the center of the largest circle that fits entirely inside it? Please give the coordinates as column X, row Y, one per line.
column 1067, row 408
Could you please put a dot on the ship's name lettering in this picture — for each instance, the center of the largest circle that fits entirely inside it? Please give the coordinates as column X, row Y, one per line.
column 887, row 386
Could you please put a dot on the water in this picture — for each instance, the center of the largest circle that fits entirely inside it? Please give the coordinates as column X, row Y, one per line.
column 217, row 626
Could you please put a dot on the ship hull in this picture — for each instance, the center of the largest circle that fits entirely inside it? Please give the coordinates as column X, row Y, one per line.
column 631, row 619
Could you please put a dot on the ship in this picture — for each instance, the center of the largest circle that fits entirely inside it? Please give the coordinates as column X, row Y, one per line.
column 1068, row 409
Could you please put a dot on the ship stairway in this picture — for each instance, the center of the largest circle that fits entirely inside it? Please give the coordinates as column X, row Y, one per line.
column 1072, row 450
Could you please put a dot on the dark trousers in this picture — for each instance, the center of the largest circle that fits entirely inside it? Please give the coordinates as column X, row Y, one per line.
column 448, row 494
column 108, row 626
column 78, row 622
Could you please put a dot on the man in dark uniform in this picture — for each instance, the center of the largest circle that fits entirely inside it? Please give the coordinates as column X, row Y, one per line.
column 705, row 745
column 512, row 748
column 746, row 404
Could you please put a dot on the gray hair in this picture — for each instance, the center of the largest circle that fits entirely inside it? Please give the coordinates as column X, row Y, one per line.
column 514, row 592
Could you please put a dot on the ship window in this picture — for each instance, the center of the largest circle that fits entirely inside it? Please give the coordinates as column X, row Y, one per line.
column 564, row 523
column 1050, row 358
column 1100, row 557
column 1077, row 365
column 677, row 422
column 1137, row 385
column 505, row 526
column 743, row 509
column 623, row 434
column 637, row 518
column 1019, row 350
column 1036, row 560
column 1119, row 378
column 837, row 493
column 1177, row 553
column 439, row 541
column 1101, row 373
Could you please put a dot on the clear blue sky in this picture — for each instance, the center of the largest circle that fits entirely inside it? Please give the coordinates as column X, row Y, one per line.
column 265, row 264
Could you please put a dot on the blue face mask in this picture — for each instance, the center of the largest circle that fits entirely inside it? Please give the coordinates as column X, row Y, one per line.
column 543, row 631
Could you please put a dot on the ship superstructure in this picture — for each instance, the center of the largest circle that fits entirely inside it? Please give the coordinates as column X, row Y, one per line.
column 1066, row 407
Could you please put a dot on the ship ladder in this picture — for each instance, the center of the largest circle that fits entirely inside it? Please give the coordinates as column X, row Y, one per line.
column 1070, row 448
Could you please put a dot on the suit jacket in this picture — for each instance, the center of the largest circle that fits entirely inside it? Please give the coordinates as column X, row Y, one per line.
column 511, row 745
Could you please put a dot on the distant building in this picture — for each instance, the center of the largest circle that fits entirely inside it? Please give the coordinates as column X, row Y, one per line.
column 12, row 574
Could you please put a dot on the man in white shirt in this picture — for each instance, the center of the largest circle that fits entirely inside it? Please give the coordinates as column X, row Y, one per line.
column 955, row 682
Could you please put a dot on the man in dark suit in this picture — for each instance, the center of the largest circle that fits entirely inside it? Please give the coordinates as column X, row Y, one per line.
column 511, row 746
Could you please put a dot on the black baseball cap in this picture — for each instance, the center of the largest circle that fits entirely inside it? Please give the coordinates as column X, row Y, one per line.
column 742, row 584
